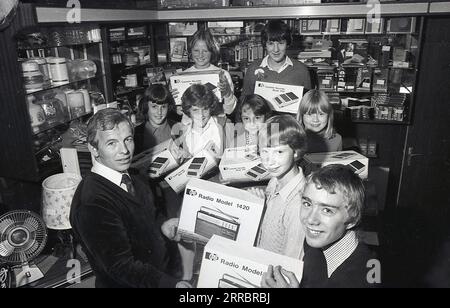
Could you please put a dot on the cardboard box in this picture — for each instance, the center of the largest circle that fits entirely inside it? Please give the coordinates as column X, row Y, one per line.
column 228, row 264
column 282, row 97
column 196, row 167
column 242, row 164
column 210, row 208
column 157, row 160
column 359, row 163
column 182, row 81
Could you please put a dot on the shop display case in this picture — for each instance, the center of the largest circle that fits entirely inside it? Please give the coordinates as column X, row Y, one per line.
column 58, row 74
column 64, row 82
column 131, row 58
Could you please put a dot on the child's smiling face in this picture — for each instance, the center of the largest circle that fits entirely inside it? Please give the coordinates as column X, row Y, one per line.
column 252, row 123
column 157, row 113
column 278, row 160
column 324, row 216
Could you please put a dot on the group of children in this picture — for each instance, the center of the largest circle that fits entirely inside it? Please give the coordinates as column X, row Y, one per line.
column 327, row 211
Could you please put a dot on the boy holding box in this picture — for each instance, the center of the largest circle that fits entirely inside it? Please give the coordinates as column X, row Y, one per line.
column 334, row 257
column 281, row 146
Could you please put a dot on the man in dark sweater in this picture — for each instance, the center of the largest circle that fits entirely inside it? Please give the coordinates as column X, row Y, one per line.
column 333, row 255
column 113, row 213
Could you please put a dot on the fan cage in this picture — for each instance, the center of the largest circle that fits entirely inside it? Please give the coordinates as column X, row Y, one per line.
column 36, row 235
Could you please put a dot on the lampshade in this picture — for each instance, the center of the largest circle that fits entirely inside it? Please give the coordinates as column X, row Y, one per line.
column 57, row 194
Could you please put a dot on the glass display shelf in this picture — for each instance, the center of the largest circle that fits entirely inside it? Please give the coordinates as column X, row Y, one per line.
column 22, row 48
column 64, row 85
column 46, row 126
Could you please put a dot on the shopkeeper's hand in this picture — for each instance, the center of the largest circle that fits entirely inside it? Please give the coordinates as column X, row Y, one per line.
column 259, row 192
column 278, row 277
column 169, row 229
column 224, row 86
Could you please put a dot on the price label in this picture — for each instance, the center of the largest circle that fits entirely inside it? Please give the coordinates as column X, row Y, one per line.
column 326, row 81
column 381, row 82
column 386, row 48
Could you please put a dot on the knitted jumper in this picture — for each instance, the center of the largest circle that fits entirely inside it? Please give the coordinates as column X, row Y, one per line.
column 297, row 74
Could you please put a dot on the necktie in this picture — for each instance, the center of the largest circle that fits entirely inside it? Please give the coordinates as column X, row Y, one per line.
column 127, row 181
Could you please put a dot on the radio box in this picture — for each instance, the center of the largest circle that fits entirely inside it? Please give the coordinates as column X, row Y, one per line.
column 182, row 81
column 196, row 167
column 242, row 163
column 210, row 208
column 228, row 264
column 282, row 97
column 157, row 160
column 359, row 163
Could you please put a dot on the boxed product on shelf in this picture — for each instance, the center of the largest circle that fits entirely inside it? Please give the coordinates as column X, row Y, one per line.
column 211, row 208
column 363, row 79
column 184, row 80
column 282, row 97
column 333, row 26
column 340, row 74
column 352, row 51
column 401, row 25
column 117, row 34
column 196, row 167
column 242, row 164
column 380, row 79
column 178, row 49
column 137, row 32
column 228, row 264
column 351, row 74
column 311, row 26
column 353, row 25
column 399, row 57
column 182, row 28
column 326, row 78
column 374, row 25
column 359, row 163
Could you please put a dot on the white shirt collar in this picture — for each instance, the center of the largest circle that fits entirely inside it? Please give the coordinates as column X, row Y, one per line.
column 337, row 253
column 287, row 62
column 108, row 173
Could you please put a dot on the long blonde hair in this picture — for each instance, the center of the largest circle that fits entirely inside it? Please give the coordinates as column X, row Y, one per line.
column 315, row 101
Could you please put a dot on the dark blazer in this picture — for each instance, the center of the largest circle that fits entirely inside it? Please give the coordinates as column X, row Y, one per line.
column 120, row 234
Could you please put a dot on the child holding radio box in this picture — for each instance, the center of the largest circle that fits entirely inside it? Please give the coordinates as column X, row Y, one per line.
column 276, row 67
column 316, row 115
column 204, row 50
column 250, row 117
column 202, row 107
column 282, row 144
column 331, row 208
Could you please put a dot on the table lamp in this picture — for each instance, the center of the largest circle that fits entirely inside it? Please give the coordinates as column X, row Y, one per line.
column 57, row 195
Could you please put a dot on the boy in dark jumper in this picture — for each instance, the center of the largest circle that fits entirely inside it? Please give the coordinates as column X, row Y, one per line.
column 334, row 257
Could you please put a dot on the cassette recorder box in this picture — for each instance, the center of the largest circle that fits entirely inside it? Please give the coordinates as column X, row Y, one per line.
column 210, row 208
column 184, row 80
column 242, row 164
column 196, row 167
column 357, row 162
column 229, row 264
column 282, row 97
column 158, row 160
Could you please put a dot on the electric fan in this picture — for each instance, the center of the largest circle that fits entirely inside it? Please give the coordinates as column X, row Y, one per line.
column 23, row 236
